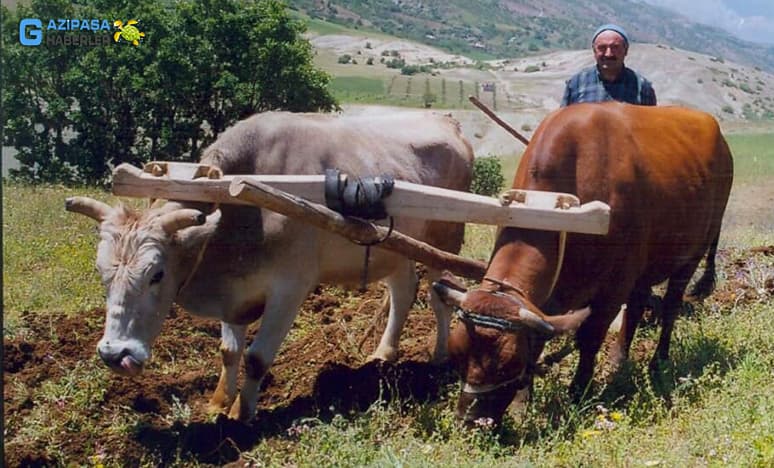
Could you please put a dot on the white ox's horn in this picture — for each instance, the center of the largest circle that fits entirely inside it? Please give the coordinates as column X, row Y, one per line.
column 180, row 219
column 90, row 207
column 449, row 295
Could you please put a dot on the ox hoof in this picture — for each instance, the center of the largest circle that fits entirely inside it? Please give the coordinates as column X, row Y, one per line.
column 219, row 403
column 241, row 411
column 390, row 355
column 216, row 408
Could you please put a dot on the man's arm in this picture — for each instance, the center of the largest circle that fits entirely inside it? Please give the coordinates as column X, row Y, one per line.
column 648, row 94
column 567, row 94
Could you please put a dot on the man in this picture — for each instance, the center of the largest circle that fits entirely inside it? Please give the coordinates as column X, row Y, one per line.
column 610, row 79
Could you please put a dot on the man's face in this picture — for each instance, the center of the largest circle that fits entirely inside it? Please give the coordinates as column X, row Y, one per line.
column 609, row 52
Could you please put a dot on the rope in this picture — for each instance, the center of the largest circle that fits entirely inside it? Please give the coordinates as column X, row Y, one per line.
column 519, row 196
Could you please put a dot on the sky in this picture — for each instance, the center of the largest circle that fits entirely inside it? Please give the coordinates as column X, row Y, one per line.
column 751, row 20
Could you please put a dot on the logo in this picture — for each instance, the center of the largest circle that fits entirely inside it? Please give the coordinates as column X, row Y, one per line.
column 77, row 32
column 30, row 31
column 128, row 32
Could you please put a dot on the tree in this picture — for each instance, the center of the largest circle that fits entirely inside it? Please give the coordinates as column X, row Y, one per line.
column 73, row 112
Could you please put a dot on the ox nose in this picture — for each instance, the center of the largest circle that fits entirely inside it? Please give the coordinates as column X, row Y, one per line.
column 110, row 357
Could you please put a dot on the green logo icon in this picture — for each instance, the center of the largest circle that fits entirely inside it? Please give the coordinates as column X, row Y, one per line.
column 128, row 32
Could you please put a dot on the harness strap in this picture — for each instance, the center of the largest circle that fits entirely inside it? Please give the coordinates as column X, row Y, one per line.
column 487, row 321
column 356, row 196
column 559, row 261
column 198, row 261
column 521, row 382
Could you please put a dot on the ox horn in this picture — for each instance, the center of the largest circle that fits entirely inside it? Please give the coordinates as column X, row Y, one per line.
column 90, row 207
column 180, row 219
column 554, row 325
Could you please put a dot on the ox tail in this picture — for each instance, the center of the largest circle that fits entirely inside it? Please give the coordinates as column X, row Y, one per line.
column 706, row 284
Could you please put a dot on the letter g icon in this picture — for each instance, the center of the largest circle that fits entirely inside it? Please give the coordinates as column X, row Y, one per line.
column 33, row 35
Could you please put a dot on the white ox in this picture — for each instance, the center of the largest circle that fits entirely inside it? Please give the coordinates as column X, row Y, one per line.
column 238, row 264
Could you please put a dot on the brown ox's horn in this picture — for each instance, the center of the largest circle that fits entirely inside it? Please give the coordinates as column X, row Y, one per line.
column 180, row 219
column 90, row 207
column 556, row 324
column 534, row 321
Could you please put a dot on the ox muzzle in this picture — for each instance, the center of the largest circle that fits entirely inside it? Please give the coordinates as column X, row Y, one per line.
column 486, row 404
column 121, row 357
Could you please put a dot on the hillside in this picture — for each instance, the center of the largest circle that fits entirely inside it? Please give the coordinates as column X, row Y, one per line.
column 489, row 29
column 524, row 90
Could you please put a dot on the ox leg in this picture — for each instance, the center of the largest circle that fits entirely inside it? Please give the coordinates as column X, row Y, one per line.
column 635, row 306
column 232, row 343
column 443, row 317
column 673, row 303
column 281, row 309
column 589, row 338
column 402, row 287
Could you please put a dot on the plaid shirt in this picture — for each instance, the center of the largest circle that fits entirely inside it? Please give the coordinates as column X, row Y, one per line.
column 588, row 86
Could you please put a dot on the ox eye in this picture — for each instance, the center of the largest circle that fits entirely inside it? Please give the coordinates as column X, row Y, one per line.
column 157, row 277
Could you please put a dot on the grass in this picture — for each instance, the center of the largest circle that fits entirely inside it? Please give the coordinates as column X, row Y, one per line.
column 714, row 406
column 753, row 158
column 716, row 414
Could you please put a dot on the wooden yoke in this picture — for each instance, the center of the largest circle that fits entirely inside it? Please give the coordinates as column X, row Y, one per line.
column 549, row 211
column 264, row 196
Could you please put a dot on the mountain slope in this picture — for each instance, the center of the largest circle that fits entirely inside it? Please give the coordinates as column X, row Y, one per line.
column 488, row 29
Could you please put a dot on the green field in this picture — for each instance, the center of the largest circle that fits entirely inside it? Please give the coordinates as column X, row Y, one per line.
column 713, row 407
column 395, row 89
column 752, row 156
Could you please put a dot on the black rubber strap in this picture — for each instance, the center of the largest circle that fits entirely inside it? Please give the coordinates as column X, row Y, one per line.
column 357, row 197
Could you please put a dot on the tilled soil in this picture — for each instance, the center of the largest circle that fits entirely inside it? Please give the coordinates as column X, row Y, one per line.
column 321, row 370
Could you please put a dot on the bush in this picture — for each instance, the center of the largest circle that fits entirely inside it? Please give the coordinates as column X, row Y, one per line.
column 395, row 63
column 346, row 58
column 487, row 176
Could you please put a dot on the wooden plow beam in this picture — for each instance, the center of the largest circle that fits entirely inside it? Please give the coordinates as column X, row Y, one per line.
column 538, row 210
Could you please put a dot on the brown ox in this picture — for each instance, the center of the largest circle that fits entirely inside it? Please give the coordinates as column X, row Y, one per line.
column 666, row 173
column 238, row 264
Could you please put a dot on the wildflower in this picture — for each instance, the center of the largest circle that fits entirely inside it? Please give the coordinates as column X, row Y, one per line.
column 484, row 423
column 604, row 424
column 616, row 416
column 297, row 430
column 588, row 433
column 96, row 460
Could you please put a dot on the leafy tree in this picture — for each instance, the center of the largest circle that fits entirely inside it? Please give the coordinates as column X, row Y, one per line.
column 72, row 112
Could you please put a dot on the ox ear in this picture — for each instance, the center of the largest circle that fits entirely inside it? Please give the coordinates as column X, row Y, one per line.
column 449, row 295
column 181, row 219
column 90, row 207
